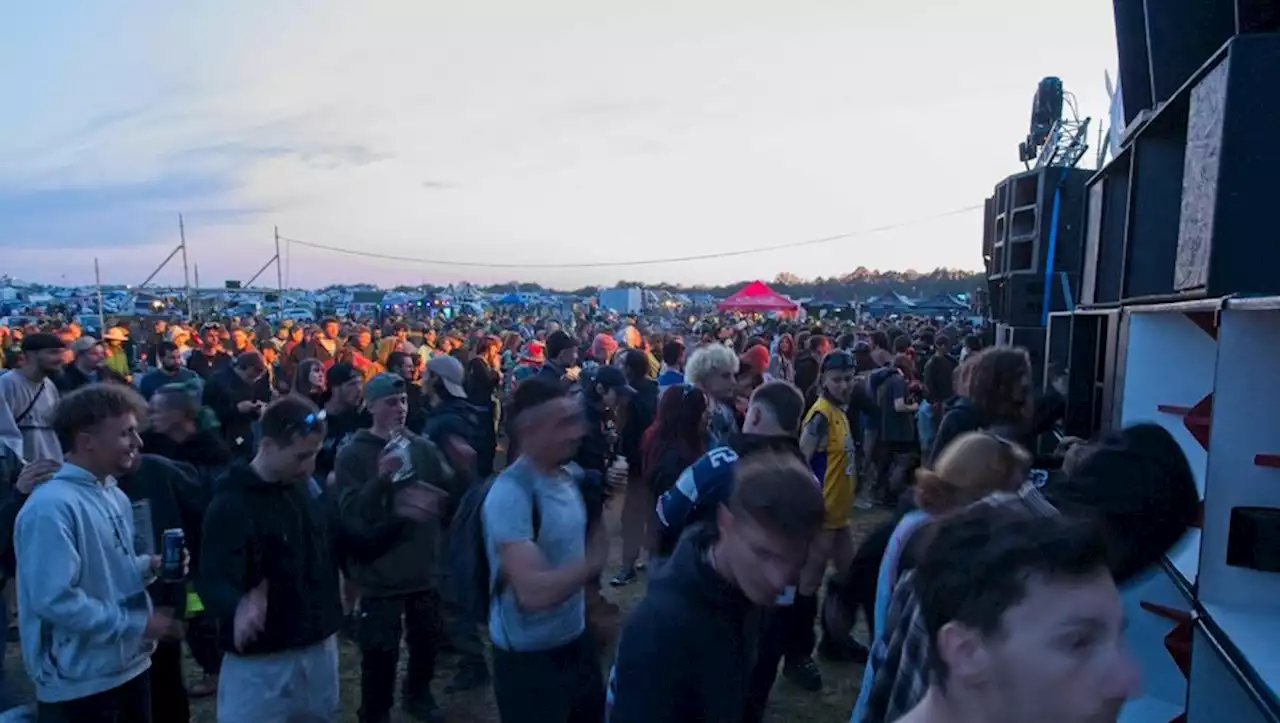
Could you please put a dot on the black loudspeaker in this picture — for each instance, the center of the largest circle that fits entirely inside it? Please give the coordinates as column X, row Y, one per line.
column 1090, row 365
column 1176, row 214
column 1037, row 237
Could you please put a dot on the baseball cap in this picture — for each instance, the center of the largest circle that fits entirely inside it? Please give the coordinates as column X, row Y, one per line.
column 612, row 378
column 83, row 344
column 861, row 347
column 451, row 374
column 381, row 386
column 340, row 374
column 837, row 361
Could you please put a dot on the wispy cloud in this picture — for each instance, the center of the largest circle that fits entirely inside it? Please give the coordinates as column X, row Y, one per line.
column 501, row 129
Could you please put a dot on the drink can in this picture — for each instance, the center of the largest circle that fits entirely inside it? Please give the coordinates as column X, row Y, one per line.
column 173, row 547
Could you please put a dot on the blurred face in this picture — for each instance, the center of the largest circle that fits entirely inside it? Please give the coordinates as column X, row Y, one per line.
column 293, row 462
column 316, row 377
column 171, row 361
column 763, row 563
column 406, row 369
column 610, row 397
column 210, row 339
column 239, row 339
column 92, row 357
column 838, row 384
column 390, row 411
column 331, row 330
column 568, row 357
column 112, row 446
column 365, row 338
column 1060, row 655
column 295, row 335
column 163, row 419
column 50, row 361
column 349, row 392
column 942, row 347
column 719, row 384
column 553, row 430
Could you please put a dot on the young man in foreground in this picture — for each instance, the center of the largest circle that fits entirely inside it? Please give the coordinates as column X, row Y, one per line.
column 1024, row 619
column 686, row 653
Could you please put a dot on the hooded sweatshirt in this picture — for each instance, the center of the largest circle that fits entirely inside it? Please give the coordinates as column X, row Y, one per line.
column 687, row 650
column 82, row 601
column 257, row 531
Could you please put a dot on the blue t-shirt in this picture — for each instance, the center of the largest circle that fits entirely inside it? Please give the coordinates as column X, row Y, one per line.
column 562, row 530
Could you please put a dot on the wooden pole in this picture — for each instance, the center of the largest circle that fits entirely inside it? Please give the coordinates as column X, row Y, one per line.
column 97, row 282
column 186, row 274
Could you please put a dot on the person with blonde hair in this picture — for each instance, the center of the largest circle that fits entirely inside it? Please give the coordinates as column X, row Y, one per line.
column 973, row 466
column 713, row 368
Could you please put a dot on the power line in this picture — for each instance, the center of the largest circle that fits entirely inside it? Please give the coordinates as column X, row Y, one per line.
column 639, row 262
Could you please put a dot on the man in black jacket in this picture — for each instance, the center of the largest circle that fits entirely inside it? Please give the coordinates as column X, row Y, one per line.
column 267, row 572
column 237, row 395
column 398, row 585
column 685, row 653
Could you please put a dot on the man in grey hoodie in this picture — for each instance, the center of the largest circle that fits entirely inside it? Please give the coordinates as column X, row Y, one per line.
column 87, row 624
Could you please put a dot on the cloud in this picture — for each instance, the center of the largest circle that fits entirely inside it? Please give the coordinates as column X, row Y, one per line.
column 114, row 215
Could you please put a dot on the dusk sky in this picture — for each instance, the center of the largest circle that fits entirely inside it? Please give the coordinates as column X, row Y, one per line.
column 519, row 132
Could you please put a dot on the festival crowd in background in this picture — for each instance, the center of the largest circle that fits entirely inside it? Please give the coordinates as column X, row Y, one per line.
column 429, row 487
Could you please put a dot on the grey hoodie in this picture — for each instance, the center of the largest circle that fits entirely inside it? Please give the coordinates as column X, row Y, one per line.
column 82, row 600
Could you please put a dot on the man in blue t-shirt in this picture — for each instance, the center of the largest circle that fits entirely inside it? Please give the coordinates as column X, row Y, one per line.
column 546, row 667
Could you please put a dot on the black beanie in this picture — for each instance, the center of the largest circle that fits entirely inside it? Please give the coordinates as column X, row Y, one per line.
column 1139, row 483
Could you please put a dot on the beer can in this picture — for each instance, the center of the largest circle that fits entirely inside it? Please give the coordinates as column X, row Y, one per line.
column 173, row 547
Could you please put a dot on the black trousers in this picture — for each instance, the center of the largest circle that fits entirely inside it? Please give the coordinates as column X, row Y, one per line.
column 129, row 703
column 202, row 639
column 561, row 685
column 380, row 624
column 786, row 632
column 169, row 703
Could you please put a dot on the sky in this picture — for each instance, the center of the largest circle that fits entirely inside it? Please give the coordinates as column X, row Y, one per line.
column 544, row 133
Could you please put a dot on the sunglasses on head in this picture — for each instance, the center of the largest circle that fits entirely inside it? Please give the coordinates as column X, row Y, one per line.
column 309, row 423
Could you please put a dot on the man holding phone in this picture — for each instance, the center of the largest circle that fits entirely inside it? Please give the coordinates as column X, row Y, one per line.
column 237, row 395
column 394, row 489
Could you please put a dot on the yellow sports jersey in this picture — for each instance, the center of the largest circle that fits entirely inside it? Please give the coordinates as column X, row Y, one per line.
column 835, row 464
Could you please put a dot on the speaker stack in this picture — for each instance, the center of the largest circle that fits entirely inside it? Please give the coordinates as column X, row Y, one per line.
column 1034, row 248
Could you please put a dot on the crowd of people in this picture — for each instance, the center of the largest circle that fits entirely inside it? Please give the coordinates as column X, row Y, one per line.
column 421, row 485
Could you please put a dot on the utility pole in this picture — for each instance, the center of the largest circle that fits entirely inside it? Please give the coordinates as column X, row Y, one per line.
column 197, row 284
column 97, row 282
column 186, row 274
column 279, row 276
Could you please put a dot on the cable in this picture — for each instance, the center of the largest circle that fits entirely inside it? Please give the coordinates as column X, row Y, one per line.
column 640, row 262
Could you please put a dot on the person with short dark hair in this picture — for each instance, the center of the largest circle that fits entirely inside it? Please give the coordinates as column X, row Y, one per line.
column 169, row 370
column 672, row 372
column 88, row 625
column 1000, row 589
column 30, row 396
column 685, row 653
column 237, row 395
column 546, row 668
column 269, row 575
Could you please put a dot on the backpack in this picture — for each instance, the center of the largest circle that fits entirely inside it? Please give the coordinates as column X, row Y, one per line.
column 470, row 575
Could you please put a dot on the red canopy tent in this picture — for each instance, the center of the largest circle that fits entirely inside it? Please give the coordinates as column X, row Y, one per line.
column 758, row 297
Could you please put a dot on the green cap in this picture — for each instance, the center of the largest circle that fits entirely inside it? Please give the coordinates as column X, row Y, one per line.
column 381, row 386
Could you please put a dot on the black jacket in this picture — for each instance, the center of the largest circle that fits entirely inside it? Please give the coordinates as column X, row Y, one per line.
column 254, row 531
column 10, row 467
column 961, row 416
column 72, row 378
column 686, row 652
column 222, row 394
column 938, row 376
column 176, row 500
column 642, row 408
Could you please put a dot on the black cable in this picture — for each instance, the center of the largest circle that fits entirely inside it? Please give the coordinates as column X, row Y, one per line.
column 641, row 262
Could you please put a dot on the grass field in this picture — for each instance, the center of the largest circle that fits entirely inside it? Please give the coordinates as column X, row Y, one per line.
column 788, row 703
